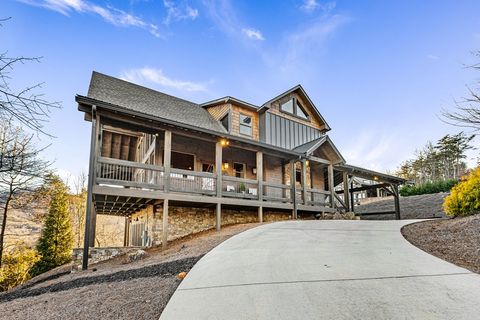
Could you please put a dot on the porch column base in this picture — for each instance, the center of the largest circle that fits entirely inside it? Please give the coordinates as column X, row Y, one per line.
column 260, row 214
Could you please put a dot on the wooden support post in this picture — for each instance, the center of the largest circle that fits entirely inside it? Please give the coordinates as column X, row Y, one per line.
column 91, row 173
column 165, row 224
column 293, row 188
column 346, row 194
column 331, row 186
column 260, row 175
column 352, row 198
column 218, row 216
column 304, row 181
column 167, row 156
column 260, row 214
column 396, row 197
column 218, row 167
column 126, row 232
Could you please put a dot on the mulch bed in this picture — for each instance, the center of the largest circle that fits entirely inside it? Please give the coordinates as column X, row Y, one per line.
column 454, row 240
column 112, row 289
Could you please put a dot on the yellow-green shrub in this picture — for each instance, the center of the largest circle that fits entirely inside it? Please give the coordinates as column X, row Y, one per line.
column 16, row 267
column 464, row 199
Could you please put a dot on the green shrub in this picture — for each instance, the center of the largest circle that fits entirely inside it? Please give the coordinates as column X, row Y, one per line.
column 464, row 200
column 429, row 187
column 16, row 267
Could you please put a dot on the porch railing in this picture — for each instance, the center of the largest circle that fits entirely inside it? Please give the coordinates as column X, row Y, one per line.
column 193, row 181
column 277, row 192
column 239, row 187
column 129, row 174
column 318, row 197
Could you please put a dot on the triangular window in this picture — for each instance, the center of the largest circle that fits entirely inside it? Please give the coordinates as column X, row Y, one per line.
column 300, row 111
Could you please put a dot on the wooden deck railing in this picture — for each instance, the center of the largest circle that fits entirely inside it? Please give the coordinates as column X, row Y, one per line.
column 193, row 182
column 131, row 174
column 277, row 192
column 239, row 187
column 318, row 197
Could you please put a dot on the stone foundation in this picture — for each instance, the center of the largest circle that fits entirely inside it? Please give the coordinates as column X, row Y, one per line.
column 183, row 221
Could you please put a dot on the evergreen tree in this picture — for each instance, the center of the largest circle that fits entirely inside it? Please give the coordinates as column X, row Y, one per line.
column 56, row 243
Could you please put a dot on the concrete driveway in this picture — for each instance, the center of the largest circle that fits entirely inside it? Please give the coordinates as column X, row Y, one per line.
column 324, row 270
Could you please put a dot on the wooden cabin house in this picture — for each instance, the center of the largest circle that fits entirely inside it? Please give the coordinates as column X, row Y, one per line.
column 172, row 167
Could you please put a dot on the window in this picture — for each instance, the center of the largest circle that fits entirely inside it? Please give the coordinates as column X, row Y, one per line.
column 182, row 161
column 225, row 121
column 287, row 106
column 245, row 125
column 239, row 170
column 298, row 176
column 294, row 107
column 300, row 111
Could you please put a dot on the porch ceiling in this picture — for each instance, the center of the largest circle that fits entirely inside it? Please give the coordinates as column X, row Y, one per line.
column 119, row 205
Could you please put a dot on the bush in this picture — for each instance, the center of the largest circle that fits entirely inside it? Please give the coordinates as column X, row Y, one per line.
column 464, row 200
column 429, row 187
column 16, row 267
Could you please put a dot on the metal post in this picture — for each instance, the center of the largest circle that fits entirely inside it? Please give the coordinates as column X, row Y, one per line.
column 260, row 214
column 396, row 197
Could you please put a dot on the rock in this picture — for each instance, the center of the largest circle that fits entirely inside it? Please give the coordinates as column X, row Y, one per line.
column 181, row 275
column 136, row 255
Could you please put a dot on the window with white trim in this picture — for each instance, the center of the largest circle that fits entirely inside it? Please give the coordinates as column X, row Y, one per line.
column 245, row 125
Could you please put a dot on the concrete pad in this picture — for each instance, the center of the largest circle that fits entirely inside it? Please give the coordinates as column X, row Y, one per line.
column 333, row 269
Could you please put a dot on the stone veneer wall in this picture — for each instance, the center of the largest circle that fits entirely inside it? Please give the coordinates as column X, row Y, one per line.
column 183, row 221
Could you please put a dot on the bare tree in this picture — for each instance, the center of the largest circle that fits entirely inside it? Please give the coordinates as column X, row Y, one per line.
column 23, row 169
column 26, row 106
column 467, row 113
column 78, row 206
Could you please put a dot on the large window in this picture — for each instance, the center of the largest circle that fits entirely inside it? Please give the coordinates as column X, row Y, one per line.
column 182, row 161
column 294, row 107
column 245, row 125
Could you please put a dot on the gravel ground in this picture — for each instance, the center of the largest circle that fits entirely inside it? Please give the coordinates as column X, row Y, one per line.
column 454, row 240
column 112, row 289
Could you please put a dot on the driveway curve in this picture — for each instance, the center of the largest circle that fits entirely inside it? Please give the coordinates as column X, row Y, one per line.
column 333, row 269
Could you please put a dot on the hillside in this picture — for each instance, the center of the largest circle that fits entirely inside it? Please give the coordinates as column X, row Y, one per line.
column 114, row 289
column 413, row 207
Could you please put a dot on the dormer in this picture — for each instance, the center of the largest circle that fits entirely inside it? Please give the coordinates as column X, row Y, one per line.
column 238, row 117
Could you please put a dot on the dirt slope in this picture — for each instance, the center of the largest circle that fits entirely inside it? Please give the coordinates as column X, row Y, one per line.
column 116, row 290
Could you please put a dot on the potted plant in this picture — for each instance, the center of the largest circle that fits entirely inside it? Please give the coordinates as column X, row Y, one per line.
column 242, row 188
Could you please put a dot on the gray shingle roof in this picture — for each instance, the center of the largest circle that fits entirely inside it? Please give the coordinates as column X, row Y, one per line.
column 150, row 102
column 306, row 147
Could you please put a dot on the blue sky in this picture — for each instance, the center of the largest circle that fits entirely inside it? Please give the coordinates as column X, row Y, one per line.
column 380, row 72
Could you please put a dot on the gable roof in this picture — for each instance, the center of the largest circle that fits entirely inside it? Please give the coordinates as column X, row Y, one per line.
column 298, row 88
column 308, row 148
column 137, row 98
column 229, row 99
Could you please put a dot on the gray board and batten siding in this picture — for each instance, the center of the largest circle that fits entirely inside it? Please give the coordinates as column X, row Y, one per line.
column 285, row 133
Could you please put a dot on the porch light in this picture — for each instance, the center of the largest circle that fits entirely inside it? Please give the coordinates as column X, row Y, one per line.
column 225, row 165
column 224, row 142
column 307, row 163
column 375, row 178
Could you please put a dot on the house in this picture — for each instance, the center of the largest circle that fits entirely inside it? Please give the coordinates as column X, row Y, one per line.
column 172, row 167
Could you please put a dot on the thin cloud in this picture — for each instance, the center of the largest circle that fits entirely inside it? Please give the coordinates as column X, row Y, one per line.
column 110, row 14
column 433, row 57
column 313, row 5
column 156, row 76
column 177, row 12
column 253, row 34
column 299, row 47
